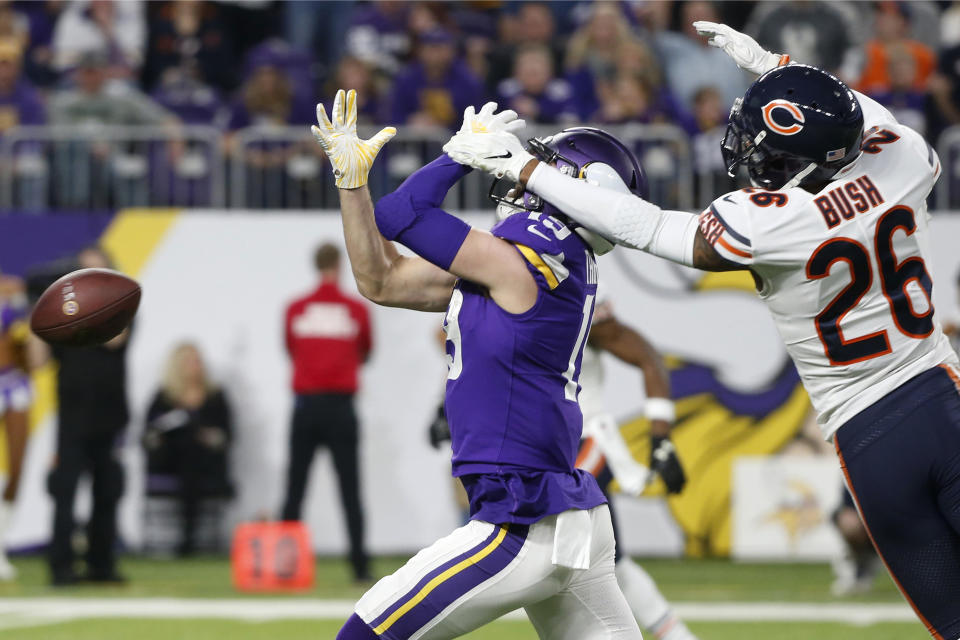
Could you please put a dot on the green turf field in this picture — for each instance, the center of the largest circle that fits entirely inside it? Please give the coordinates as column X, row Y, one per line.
column 121, row 629
column 209, row 578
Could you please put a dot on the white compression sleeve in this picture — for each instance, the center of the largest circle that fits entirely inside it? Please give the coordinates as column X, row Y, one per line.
column 622, row 218
column 674, row 236
column 619, row 217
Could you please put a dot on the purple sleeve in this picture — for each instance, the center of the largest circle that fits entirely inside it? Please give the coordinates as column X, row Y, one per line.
column 412, row 216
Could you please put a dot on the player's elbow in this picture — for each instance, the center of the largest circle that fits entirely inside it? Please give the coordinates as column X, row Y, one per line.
column 394, row 213
column 371, row 288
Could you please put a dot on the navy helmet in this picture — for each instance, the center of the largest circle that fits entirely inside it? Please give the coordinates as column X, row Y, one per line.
column 573, row 151
column 796, row 125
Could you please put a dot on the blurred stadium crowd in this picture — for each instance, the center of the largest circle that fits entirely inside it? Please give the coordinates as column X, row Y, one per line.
column 198, row 74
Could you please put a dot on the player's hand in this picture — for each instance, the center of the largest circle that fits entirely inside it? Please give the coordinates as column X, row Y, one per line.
column 499, row 153
column 439, row 430
column 488, row 120
column 350, row 156
column 742, row 48
column 664, row 461
column 633, row 478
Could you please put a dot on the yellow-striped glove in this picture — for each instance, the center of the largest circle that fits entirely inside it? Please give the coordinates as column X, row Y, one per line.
column 350, row 156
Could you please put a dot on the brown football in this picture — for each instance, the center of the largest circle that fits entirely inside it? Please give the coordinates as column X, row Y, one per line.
column 86, row 307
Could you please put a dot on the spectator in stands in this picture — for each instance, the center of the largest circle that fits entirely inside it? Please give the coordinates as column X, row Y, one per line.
column 188, row 434
column 266, row 98
column 534, row 92
column 328, row 339
column 354, row 73
column 100, row 100
column 38, row 61
column 189, row 38
column 633, row 99
column 710, row 119
column 116, row 28
column 691, row 63
column 19, row 102
column 892, row 27
column 193, row 102
column 944, row 87
column 600, row 43
column 810, row 32
column 639, row 77
column 903, row 98
column 379, row 36
column 478, row 32
column 533, row 23
column 434, row 90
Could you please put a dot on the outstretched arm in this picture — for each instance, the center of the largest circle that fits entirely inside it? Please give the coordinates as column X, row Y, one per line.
column 627, row 219
column 630, row 346
column 621, row 218
column 412, row 215
column 382, row 274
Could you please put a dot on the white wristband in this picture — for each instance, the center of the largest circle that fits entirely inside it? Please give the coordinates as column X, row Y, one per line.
column 660, row 409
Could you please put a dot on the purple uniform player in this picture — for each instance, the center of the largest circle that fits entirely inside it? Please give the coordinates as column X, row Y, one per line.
column 512, row 384
column 519, row 301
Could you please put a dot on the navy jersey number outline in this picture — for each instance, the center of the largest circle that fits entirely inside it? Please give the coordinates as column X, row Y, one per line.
column 894, row 278
column 876, row 138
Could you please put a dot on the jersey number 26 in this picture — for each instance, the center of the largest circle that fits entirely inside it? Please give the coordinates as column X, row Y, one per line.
column 894, row 278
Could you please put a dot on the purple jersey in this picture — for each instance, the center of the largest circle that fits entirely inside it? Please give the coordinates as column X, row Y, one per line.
column 513, row 381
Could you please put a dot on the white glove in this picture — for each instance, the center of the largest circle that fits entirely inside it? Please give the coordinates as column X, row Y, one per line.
column 499, row 153
column 350, row 156
column 742, row 48
column 631, row 475
column 488, row 120
column 471, row 147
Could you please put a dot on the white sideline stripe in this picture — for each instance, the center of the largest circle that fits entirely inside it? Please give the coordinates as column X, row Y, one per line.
column 28, row 611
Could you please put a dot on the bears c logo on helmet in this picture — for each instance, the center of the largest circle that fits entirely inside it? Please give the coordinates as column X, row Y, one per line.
column 789, row 107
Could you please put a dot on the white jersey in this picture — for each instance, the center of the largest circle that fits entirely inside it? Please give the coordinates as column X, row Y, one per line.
column 591, row 365
column 843, row 270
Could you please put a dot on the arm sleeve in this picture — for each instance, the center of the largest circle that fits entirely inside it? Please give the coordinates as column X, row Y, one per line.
column 622, row 218
column 725, row 224
column 412, row 216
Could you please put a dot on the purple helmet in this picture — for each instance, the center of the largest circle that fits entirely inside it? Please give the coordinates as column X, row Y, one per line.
column 572, row 151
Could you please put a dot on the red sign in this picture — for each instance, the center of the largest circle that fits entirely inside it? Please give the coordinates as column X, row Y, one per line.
column 272, row 556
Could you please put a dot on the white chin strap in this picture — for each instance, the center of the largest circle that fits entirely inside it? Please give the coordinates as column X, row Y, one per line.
column 797, row 179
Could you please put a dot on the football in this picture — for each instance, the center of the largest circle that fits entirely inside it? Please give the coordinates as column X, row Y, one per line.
column 85, row 307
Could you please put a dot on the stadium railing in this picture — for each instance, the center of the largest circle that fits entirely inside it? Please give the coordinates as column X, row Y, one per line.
column 94, row 167
column 83, row 167
column 282, row 167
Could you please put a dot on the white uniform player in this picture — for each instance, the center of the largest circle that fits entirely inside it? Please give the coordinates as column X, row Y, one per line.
column 836, row 237
column 842, row 270
column 604, row 453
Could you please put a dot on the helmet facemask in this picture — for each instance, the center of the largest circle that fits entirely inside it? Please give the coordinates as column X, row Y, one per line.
column 768, row 167
column 512, row 199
